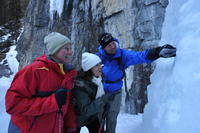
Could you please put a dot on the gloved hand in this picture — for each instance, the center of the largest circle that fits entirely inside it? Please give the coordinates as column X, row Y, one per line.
column 167, row 51
column 109, row 96
column 107, row 107
column 61, row 96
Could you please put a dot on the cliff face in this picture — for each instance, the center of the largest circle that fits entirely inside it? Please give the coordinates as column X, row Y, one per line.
column 11, row 12
column 136, row 23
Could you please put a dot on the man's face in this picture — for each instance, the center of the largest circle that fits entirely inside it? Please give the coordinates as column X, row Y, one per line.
column 111, row 48
column 64, row 54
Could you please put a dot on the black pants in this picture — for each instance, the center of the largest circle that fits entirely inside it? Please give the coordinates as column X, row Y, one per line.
column 93, row 127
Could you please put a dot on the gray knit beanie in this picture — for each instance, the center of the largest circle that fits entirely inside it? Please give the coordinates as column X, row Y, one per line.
column 54, row 41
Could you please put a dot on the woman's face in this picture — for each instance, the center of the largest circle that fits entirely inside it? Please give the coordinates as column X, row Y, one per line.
column 96, row 70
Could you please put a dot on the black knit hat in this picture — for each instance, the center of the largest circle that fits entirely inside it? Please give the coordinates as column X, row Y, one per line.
column 104, row 39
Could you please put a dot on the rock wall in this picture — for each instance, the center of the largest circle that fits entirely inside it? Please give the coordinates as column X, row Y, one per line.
column 11, row 12
column 136, row 23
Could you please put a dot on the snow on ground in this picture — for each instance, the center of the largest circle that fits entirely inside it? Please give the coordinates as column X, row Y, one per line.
column 11, row 58
column 5, row 37
column 4, row 117
column 4, row 85
column 126, row 123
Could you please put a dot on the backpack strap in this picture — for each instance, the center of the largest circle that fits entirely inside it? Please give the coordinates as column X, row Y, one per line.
column 122, row 68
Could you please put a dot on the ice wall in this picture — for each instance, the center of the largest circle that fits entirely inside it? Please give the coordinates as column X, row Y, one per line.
column 174, row 93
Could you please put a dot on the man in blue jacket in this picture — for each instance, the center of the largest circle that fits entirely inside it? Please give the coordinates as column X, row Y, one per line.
column 115, row 61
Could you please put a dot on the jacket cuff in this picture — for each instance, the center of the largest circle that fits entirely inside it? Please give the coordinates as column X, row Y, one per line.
column 153, row 53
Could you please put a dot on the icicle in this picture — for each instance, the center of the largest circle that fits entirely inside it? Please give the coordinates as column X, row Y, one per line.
column 56, row 6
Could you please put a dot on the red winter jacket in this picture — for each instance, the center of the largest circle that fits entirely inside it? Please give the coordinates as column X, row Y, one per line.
column 33, row 114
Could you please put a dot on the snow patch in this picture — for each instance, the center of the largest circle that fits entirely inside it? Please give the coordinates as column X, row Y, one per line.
column 5, row 37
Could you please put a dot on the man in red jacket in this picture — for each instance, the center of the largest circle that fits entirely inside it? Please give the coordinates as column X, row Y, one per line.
column 39, row 98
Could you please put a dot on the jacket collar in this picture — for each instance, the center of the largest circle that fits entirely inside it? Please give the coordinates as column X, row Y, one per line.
column 116, row 55
column 53, row 65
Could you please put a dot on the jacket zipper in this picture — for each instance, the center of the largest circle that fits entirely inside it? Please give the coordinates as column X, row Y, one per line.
column 59, row 114
column 33, row 122
column 60, row 120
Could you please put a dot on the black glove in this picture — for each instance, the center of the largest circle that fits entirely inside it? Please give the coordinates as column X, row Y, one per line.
column 106, row 98
column 165, row 51
column 109, row 96
column 107, row 107
column 61, row 96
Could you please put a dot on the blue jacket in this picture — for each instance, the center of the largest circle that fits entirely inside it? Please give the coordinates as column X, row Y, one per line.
column 111, row 67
